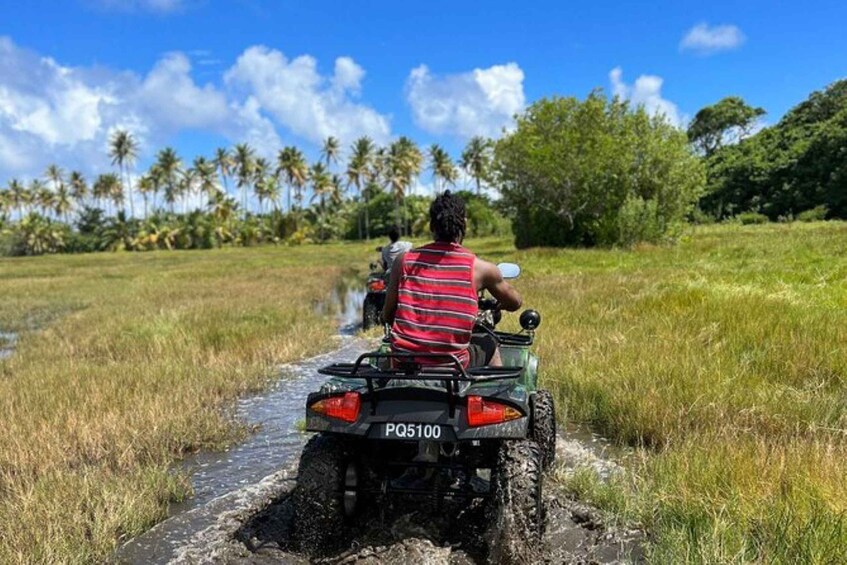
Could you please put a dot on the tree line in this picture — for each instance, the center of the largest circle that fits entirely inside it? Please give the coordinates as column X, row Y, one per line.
column 596, row 171
column 238, row 197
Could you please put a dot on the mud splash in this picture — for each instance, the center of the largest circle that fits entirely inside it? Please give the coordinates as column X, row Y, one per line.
column 258, row 533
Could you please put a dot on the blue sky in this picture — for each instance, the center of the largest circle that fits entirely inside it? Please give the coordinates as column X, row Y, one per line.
column 197, row 74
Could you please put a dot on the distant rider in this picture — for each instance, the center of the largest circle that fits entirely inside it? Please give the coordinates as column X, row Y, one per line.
column 394, row 249
column 432, row 296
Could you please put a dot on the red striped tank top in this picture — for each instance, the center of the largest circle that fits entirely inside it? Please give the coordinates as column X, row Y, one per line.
column 436, row 302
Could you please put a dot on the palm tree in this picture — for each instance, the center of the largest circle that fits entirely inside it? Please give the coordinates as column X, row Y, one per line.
column 476, row 159
column 41, row 196
column 146, row 186
column 293, row 165
column 123, row 149
column 79, row 187
column 17, row 196
column 244, row 159
column 108, row 187
column 321, row 187
column 169, row 167
column 403, row 165
column 207, row 178
column 63, row 202
column 442, row 167
column 331, row 150
column 188, row 182
column 360, row 172
column 56, row 175
column 224, row 164
column 260, row 180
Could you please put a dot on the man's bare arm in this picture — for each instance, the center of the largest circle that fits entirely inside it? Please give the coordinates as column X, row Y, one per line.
column 491, row 279
column 390, row 307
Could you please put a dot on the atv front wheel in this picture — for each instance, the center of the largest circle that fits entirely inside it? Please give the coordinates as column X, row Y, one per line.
column 370, row 314
column 544, row 427
column 516, row 530
column 319, row 505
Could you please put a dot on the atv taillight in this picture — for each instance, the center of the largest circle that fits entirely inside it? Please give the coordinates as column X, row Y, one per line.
column 345, row 407
column 482, row 412
column 377, row 285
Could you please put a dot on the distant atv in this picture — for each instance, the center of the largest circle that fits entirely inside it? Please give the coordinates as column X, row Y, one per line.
column 375, row 297
column 490, row 432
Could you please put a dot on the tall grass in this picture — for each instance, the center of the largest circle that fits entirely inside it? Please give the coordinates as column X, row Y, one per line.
column 724, row 360
column 125, row 363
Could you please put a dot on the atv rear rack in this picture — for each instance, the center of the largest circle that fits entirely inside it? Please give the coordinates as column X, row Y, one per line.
column 406, row 366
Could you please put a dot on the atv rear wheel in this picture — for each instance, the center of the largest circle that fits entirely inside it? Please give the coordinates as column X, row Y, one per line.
column 370, row 314
column 319, row 501
column 517, row 526
column 544, row 427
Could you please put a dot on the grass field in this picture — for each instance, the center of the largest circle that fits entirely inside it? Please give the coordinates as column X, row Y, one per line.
column 722, row 359
column 725, row 359
column 131, row 359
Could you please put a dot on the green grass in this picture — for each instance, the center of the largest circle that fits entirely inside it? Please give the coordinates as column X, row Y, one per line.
column 124, row 364
column 721, row 359
column 724, row 360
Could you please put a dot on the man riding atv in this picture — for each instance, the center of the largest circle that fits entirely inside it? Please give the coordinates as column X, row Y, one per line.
column 394, row 249
column 432, row 297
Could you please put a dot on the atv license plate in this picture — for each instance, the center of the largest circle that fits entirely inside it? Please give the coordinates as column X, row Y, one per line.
column 396, row 430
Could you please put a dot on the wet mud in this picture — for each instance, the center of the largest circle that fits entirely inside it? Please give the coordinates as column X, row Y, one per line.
column 259, row 532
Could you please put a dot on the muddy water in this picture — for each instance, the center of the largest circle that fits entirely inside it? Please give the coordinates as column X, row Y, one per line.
column 8, row 341
column 276, row 444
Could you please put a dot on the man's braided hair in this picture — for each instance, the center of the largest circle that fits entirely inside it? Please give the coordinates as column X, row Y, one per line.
column 447, row 218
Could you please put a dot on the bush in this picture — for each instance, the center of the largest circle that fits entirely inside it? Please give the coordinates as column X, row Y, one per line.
column 595, row 172
column 816, row 214
column 750, row 218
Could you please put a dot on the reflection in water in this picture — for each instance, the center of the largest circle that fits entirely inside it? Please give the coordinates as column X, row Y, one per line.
column 277, row 442
column 8, row 341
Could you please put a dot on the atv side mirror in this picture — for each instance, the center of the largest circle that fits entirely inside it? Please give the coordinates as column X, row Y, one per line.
column 530, row 320
column 509, row 270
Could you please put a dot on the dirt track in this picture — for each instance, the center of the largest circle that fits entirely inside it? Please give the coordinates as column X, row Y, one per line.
column 252, row 525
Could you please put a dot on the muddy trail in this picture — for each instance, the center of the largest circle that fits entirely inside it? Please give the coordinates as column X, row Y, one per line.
column 242, row 511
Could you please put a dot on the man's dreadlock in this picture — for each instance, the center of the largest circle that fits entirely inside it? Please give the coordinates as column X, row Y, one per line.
column 447, row 218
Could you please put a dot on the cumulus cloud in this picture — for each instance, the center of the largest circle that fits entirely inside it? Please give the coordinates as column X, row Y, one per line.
column 646, row 91
column 479, row 102
column 52, row 113
column 302, row 100
column 706, row 39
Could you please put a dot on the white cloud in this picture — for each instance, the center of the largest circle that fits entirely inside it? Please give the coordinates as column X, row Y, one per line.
column 479, row 102
column 301, row 99
column 705, row 39
column 647, row 92
column 52, row 113
column 158, row 6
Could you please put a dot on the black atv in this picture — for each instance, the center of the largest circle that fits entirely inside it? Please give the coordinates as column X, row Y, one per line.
column 389, row 426
column 375, row 296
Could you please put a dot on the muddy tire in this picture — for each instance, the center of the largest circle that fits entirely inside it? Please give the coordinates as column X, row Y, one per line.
column 370, row 314
column 544, row 427
column 517, row 513
column 318, row 497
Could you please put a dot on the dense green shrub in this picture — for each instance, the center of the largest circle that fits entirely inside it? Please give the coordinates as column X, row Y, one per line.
column 798, row 164
column 750, row 218
column 595, row 172
column 816, row 214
